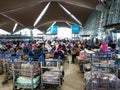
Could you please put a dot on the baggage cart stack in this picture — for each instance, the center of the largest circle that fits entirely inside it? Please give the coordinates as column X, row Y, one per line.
column 51, row 74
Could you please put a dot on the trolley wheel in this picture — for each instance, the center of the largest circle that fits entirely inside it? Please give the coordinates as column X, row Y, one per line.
column 42, row 87
column 4, row 82
column 58, row 88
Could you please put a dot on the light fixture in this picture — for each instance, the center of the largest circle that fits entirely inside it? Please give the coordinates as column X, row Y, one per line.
column 69, row 13
column 15, row 26
column 41, row 14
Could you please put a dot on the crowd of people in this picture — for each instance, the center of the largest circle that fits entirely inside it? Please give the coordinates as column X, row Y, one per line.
column 55, row 48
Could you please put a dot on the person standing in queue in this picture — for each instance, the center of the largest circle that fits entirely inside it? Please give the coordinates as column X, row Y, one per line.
column 75, row 53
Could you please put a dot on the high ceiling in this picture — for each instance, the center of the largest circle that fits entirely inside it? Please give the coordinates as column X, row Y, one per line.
column 25, row 13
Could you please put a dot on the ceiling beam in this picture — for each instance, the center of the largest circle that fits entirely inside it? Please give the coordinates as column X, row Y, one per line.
column 68, row 23
column 51, row 25
column 12, row 19
column 2, row 24
column 22, row 7
column 73, row 2
column 69, row 13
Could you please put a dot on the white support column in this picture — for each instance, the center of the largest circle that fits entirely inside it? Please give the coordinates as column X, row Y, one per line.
column 32, row 38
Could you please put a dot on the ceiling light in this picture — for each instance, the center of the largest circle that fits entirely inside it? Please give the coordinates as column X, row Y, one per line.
column 15, row 26
column 68, row 12
column 41, row 14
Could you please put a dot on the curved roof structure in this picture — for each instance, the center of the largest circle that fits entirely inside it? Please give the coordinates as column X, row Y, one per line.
column 26, row 12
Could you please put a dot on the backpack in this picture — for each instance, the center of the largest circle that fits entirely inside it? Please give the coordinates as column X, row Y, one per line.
column 38, row 51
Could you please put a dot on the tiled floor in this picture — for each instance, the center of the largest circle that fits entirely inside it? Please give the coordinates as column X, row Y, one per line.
column 73, row 79
column 7, row 86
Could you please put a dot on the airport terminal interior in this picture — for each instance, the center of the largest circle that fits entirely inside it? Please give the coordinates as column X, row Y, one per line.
column 59, row 45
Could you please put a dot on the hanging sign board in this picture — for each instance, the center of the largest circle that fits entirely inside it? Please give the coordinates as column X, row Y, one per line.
column 54, row 30
column 75, row 29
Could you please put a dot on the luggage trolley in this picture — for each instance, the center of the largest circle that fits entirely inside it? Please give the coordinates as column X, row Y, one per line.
column 103, row 78
column 1, row 63
column 27, row 76
column 51, row 74
column 7, row 67
column 84, row 60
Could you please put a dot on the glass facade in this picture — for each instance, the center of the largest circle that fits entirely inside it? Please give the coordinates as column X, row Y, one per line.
column 94, row 24
column 114, row 12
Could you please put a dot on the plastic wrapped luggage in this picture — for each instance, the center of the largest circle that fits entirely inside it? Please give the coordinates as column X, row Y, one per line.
column 51, row 77
column 26, row 82
column 87, row 67
column 99, row 80
column 26, row 69
column 26, row 77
